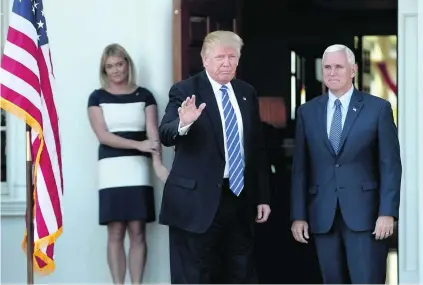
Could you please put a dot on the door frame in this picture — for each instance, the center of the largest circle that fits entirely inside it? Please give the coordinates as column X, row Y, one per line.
column 177, row 40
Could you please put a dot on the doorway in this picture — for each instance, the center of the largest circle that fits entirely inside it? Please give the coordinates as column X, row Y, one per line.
column 284, row 43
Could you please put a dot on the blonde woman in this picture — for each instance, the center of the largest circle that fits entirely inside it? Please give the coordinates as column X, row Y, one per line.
column 123, row 116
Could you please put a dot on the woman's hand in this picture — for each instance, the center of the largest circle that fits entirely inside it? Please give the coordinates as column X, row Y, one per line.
column 149, row 146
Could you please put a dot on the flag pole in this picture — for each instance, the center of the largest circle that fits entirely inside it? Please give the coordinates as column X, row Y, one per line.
column 29, row 210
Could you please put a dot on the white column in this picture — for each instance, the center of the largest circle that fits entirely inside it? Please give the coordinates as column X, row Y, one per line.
column 410, row 96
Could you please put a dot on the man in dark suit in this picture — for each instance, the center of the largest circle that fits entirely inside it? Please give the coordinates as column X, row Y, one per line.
column 346, row 175
column 219, row 182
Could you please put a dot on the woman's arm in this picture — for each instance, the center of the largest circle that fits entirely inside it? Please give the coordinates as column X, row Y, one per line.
column 153, row 129
column 153, row 135
column 95, row 115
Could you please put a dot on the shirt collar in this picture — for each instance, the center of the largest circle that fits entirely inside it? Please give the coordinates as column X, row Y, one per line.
column 216, row 86
column 345, row 99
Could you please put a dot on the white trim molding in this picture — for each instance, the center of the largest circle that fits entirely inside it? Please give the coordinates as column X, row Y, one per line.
column 13, row 208
column 410, row 118
column 14, row 202
column 13, row 197
column 13, row 194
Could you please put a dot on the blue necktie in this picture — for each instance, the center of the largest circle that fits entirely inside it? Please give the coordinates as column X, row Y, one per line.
column 233, row 143
column 336, row 127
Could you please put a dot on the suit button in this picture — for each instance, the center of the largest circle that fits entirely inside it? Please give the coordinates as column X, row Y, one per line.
column 337, row 165
column 219, row 185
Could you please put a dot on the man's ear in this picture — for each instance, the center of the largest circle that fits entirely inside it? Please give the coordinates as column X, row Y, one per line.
column 205, row 61
column 354, row 70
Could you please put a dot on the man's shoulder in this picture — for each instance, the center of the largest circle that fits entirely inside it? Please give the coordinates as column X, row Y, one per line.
column 313, row 103
column 373, row 100
column 189, row 82
column 243, row 84
column 368, row 98
column 198, row 80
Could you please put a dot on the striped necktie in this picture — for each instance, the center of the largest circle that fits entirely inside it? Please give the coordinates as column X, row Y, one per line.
column 233, row 143
column 336, row 127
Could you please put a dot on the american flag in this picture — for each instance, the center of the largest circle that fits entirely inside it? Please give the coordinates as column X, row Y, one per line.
column 27, row 91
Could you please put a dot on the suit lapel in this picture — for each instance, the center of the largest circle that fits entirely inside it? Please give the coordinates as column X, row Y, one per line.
column 323, row 121
column 207, row 96
column 353, row 111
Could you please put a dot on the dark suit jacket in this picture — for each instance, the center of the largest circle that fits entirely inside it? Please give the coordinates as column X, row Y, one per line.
column 192, row 192
column 364, row 177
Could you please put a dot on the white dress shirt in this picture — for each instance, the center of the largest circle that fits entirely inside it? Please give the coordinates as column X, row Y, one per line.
column 345, row 102
column 218, row 94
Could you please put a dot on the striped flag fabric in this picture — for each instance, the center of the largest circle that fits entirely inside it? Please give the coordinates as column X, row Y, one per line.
column 27, row 91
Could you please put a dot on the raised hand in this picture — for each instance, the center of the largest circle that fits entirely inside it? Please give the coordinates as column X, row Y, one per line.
column 188, row 112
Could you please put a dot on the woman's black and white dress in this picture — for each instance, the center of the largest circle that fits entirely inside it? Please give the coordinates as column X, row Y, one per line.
column 124, row 175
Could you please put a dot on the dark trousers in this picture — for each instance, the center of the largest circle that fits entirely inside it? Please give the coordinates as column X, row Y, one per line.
column 346, row 256
column 223, row 254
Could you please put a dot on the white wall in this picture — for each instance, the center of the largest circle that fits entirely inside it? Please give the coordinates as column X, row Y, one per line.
column 78, row 31
column 410, row 115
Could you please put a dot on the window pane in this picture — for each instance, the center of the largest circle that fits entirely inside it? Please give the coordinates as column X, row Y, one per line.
column 3, row 156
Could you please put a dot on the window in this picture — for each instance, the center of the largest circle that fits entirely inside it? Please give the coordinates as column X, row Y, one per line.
column 297, row 82
column 3, row 128
column 293, row 85
column 3, row 170
column 379, row 67
column 12, row 144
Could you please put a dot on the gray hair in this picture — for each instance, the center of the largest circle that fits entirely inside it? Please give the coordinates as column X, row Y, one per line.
column 336, row 48
column 222, row 38
column 119, row 51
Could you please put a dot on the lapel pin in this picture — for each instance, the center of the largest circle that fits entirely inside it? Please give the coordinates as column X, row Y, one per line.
column 354, row 109
column 244, row 98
